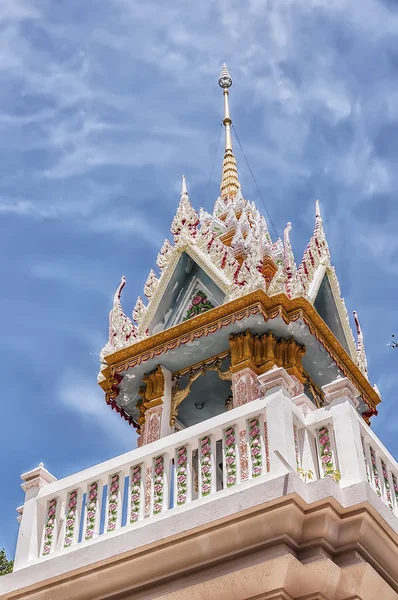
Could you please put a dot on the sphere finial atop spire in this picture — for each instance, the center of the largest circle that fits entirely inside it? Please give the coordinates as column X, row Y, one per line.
column 225, row 79
column 229, row 179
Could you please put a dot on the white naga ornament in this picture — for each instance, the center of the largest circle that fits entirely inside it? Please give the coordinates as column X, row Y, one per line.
column 186, row 220
column 122, row 332
column 139, row 311
column 151, row 284
column 165, row 254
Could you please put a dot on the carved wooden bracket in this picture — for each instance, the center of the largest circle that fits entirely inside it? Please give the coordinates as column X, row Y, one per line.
column 154, row 384
column 151, row 393
column 193, row 373
column 262, row 352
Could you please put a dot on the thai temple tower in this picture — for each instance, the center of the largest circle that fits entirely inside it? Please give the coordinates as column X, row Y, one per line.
column 257, row 474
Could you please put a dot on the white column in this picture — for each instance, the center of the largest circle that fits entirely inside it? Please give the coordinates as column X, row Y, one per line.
column 165, row 428
column 342, row 397
column 278, row 386
column 33, row 517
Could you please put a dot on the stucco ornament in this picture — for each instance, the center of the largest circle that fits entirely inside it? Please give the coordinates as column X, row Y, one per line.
column 151, row 284
column 122, row 331
column 135, row 491
column 230, row 456
column 50, row 527
column 186, row 220
column 165, row 254
column 182, row 475
column 114, row 486
column 139, row 311
column 71, row 516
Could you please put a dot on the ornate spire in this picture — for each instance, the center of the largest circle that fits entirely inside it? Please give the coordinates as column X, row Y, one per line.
column 229, row 180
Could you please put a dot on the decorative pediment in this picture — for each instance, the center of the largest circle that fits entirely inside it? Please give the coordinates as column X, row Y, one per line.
column 331, row 307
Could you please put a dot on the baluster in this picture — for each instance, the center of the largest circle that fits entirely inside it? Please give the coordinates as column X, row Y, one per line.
column 369, row 463
column 257, row 452
column 386, row 484
column 366, row 461
column 326, row 452
column 136, row 506
column 206, row 466
column 243, row 452
column 160, row 489
column 230, row 454
column 148, row 487
column 375, row 471
column 183, row 475
column 93, row 513
column 394, row 488
column 72, row 517
column 266, row 447
column 114, row 501
column 50, row 526
column 296, row 447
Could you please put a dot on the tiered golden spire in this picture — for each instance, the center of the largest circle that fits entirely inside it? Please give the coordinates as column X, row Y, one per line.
column 229, row 180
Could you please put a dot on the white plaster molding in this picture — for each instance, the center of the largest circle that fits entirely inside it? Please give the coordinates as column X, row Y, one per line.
column 304, row 403
column 340, row 389
column 37, row 477
column 276, row 378
column 316, row 282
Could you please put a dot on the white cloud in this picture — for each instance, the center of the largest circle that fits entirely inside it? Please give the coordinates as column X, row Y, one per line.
column 84, row 397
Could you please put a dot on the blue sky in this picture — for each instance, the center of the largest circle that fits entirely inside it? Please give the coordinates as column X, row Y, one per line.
column 104, row 104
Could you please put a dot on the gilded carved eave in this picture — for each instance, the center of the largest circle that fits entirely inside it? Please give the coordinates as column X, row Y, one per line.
column 257, row 302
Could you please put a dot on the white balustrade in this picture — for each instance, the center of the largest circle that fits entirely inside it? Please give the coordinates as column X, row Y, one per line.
column 254, row 442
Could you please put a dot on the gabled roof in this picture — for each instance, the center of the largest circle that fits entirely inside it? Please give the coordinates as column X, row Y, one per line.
column 234, row 248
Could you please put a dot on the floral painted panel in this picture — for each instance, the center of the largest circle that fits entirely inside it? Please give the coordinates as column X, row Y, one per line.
column 114, row 486
column 135, row 492
column 395, row 484
column 50, row 526
column 158, row 485
column 255, row 447
column 182, row 475
column 296, row 447
column 199, row 304
column 71, row 515
column 325, row 452
column 205, row 465
column 375, row 471
column 386, row 485
column 92, row 507
column 366, row 461
column 230, row 456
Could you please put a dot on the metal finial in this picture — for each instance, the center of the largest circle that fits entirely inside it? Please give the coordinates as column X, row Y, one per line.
column 229, row 179
column 225, row 79
column 184, row 186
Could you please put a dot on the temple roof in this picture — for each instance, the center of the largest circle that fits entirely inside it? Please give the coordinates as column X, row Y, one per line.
column 225, row 255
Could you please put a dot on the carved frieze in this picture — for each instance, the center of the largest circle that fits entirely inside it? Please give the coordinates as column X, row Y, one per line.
column 154, row 384
column 261, row 353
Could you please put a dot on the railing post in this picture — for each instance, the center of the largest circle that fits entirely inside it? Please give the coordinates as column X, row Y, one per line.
column 279, row 386
column 342, row 397
column 33, row 517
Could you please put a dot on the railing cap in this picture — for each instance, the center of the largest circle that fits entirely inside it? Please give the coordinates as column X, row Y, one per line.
column 340, row 388
column 37, row 477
